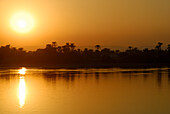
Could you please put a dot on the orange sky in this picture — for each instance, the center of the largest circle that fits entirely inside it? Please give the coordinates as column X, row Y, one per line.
column 88, row 22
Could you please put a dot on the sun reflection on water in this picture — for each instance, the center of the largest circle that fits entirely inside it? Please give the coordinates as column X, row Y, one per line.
column 22, row 88
column 22, row 71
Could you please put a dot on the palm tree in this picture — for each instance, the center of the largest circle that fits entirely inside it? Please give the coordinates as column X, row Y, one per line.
column 97, row 47
column 54, row 44
column 85, row 50
column 67, row 45
column 48, row 46
column 157, row 47
column 168, row 47
column 66, row 48
column 59, row 49
column 130, row 47
column 159, row 44
column 72, row 46
column 145, row 50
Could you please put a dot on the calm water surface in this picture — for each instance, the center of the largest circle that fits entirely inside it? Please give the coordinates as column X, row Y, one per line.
column 85, row 91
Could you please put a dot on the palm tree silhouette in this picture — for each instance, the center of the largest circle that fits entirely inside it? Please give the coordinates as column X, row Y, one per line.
column 168, row 47
column 159, row 45
column 130, row 47
column 54, row 44
column 59, row 49
column 98, row 47
column 72, row 46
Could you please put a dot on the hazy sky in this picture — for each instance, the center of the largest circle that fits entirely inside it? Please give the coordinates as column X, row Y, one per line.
column 88, row 22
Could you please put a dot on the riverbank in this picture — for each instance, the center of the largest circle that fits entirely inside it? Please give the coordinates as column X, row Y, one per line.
column 92, row 65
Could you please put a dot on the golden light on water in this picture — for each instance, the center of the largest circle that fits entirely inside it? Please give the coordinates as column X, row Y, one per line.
column 22, row 71
column 22, row 87
column 22, row 22
column 22, row 91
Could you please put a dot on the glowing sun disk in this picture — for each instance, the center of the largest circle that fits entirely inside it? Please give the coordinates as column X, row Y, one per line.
column 22, row 22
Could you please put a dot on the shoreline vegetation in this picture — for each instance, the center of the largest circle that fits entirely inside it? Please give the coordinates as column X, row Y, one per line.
column 67, row 56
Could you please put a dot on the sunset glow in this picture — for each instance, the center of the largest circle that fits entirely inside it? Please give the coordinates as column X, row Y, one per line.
column 84, row 56
column 115, row 24
column 22, row 22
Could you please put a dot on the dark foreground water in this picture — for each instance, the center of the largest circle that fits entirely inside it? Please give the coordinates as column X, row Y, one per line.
column 85, row 91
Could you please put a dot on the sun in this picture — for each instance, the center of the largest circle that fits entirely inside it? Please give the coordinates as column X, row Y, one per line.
column 22, row 22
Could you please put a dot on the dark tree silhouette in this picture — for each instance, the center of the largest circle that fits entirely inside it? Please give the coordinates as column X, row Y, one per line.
column 69, row 55
column 97, row 47
column 72, row 46
column 130, row 47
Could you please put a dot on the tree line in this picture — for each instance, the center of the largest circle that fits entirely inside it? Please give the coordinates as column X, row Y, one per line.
column 53, row 54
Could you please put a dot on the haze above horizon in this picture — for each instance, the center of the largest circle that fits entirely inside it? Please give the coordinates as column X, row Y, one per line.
column 109, row 23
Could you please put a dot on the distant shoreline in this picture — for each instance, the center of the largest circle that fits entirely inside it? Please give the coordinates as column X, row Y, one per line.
column 67, row 56
column 89, row 66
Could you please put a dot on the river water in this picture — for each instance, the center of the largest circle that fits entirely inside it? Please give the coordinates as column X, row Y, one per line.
column 85, row 91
